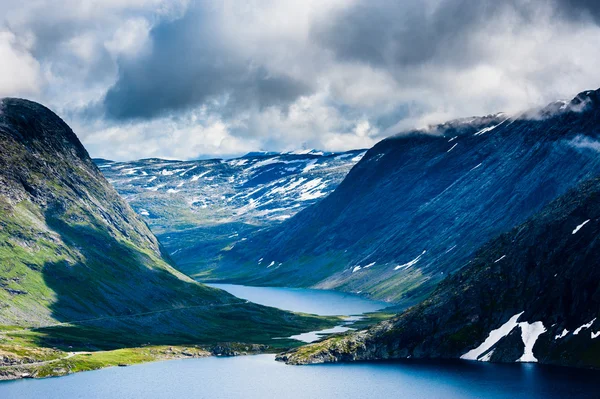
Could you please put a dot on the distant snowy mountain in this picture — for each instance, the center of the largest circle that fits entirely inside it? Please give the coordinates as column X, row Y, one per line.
column 200, row 208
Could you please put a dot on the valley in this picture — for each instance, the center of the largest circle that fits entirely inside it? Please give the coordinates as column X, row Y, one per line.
column 305, row 252
column 202, row 209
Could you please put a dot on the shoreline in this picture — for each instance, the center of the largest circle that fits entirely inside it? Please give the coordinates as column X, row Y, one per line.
column 75, row 362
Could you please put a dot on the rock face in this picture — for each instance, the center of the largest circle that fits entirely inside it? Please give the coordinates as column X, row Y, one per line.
column 417, row 206
column 71, row 250
column 201, row 209
column 532, row 294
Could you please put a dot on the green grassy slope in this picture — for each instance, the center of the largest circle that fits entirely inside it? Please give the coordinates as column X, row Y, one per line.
column 81, row 267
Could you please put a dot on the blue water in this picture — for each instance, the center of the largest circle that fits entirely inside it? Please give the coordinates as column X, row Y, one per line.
column 261, row 377
column 321, row 302
column 250, row 377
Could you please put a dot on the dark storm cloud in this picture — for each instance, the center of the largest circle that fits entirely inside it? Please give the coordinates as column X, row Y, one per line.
column 580, row 8
column 403, row 33
column 409, row 33
column 189, row 65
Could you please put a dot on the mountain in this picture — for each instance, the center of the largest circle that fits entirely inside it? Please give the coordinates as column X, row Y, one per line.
column 77, row 262
column 418, row 205
column 200, row 209
column 531, row 294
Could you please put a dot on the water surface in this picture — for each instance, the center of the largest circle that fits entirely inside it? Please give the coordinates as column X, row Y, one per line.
column 260, row 377
column 321, row 302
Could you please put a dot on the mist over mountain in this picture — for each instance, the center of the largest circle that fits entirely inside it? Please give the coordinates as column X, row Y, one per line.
column 418, row 205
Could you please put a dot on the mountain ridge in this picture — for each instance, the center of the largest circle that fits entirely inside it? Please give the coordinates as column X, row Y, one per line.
column 79, row 267
column 416, row 206
column 532, row 294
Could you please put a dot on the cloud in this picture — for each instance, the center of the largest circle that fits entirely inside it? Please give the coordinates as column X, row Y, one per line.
column 19, row 70
column 190, row 64
column 191, row 78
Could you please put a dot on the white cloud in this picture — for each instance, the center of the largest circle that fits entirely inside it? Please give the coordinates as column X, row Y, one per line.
column 19, row 70
column 69, row 53
column 129, row 39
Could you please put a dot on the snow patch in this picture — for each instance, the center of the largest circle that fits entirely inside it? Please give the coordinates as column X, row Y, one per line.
column 530, row 333
column 562, row 334
column 487, row 357
column 595, row 334
column 196, row 177
column 411, row 263
column 488, row 129
column 585, row 326
column 580, row 226
column 310, row 165
column 451, row 148
column 500, row 258
column 356, row 268
column 493, row 337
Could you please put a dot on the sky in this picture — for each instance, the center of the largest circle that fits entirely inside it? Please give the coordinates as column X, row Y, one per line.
column 187, row 79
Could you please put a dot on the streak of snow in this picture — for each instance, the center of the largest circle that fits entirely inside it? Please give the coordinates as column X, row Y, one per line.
column 580, row 226
column 489, row 129
column 562, row 334
column 585, row 326
column 493, row 337
column 310, row 165
column 196, row 177
column 411, row 263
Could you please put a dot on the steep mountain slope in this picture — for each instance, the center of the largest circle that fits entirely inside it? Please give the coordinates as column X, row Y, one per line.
column 532, row 294
column 201, row 208
column 417, row 206
column 71, row 250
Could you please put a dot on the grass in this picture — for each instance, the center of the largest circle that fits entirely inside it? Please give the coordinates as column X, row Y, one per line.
column 77, row 348
column 43, row 362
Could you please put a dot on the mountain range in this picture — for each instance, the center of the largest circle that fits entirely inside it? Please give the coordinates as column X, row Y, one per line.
column 419, row 205
column 201, row 209
column 530, row 295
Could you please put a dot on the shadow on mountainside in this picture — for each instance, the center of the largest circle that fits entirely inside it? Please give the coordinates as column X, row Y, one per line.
column 117, row 297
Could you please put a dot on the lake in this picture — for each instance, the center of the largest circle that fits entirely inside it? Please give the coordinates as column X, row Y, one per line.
column 262, row 377
column 321, row 302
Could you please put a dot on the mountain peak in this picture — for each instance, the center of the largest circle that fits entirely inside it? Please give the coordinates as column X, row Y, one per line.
column 591, row 97
column 29, row 122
